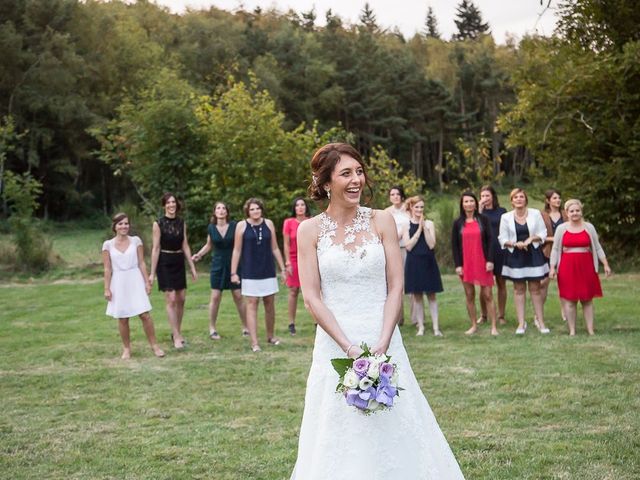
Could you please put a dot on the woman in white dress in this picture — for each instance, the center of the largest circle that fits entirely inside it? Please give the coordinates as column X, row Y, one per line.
column 126, row 284
column 351, row 275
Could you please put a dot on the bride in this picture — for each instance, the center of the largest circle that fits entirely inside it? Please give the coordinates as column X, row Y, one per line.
column 351, row 275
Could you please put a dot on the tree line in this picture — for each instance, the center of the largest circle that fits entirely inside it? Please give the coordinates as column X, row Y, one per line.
column 105, row 101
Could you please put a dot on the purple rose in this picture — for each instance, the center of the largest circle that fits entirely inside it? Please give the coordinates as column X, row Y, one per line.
column 361, row 366
column 385, row 394
column 386, row 370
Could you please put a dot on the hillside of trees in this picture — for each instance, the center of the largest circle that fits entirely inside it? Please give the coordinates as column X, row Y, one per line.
column 106, row 102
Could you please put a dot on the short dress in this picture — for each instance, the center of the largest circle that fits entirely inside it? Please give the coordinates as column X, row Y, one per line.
column 474, row 268
column 257, row 264
column 577, row 279
column 220, row 277
column 290, row 229
column 170, row 269
column 524, row 265
column 421, row 272
column 128, row 290
column 494, row 215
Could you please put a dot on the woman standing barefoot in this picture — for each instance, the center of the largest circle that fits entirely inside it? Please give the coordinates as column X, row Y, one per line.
column 125, row 283
column 421, row 272
column 299, row 213
column 221, row 232
column 170, row 249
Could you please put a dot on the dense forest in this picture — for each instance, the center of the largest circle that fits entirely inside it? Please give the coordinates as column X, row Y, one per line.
column 106, row 102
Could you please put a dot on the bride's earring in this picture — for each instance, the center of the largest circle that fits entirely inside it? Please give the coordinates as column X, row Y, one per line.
column 328, row 190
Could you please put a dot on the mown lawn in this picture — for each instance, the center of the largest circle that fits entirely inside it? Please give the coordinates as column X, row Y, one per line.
column 512, row 408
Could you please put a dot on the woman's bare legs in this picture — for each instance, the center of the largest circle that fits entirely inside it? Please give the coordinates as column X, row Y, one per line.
column 174, row 303
column 470, row 300
column 241, row 307
column 570, row 310
column 150, row 332
column 501, row 286
column 270, row 316
column 433, row 311
column 487, row 294
column 125, row 335
column 538, row 303
column 418, row 311
column 293, row 307
column 587, row 311
column 252, row 320
column 519, row 299
column 214, row 306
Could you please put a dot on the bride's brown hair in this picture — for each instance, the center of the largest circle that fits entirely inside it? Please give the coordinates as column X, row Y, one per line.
column 323, row 163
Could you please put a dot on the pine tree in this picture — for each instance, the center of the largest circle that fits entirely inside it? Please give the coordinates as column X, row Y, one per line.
column 368, row 19
column 469, row 21
column 431, row 25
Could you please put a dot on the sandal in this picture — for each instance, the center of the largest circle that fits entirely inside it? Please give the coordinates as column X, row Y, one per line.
column 273, row 341
column 214, row 335
column 255, row 348
column 245, row 332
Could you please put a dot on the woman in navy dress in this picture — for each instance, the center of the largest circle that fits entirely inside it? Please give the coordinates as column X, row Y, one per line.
column 489, row 206
column 221, row 232
column 553, row 216
column 170, row 249
column 421, row 272
column 254, row 251
column 522, row 232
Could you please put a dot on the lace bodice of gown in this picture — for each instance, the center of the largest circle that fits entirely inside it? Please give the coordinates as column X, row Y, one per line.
column 352, row 276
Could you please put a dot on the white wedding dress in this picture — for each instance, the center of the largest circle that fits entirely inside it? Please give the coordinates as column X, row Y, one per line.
column 337, row 442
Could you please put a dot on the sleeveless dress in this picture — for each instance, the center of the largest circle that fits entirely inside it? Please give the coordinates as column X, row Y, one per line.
column 170, row 269
column 475, row 264
column 577, row 279
column 494, row 214
column 336, row 441
column 220, row 277
column 421, row 272
column 257, row 263
column 290, row 229
column 128, row 293
column 524, row 265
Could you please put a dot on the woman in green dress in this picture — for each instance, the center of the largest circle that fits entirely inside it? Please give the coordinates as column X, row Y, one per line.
column 220, row 236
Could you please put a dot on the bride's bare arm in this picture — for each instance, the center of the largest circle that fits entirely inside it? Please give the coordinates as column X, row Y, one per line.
column 386, row 228
column 310, row 283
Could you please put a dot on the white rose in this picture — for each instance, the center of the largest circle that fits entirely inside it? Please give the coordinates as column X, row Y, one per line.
column 350, row 379
column 374, row 371
column 365, row 383
column 373, row 405
column 394, row 378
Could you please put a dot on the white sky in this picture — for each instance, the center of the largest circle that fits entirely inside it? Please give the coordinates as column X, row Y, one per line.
column 504, row 16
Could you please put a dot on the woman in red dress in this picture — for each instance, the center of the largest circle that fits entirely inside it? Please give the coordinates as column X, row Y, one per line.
column 471, row 241
column 299, row 213
column 575, row 255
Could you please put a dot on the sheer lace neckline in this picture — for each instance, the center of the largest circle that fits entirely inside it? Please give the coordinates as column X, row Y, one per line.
column 352, row 236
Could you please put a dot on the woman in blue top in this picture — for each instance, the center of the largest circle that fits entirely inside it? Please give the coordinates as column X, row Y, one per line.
column 254, row 250
column 489, row 206
column 220, row 236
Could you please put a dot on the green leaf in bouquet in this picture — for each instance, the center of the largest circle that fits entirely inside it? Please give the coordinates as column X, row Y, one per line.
column 341, row 365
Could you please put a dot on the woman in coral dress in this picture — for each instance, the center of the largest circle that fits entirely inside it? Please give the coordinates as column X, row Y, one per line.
column 574, row 257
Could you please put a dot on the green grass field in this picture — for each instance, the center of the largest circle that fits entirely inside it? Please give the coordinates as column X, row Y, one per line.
column 529, row 407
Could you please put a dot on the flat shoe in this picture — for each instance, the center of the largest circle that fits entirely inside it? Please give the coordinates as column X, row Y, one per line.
column 245, row 332
column 545, row 330
column 214, row 335
column 273, row 341
column 256, row 348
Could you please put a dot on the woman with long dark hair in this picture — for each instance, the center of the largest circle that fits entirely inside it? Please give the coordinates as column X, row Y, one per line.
column 471, row 242
column 169, row 252
column 220, row 235
column 300, row 211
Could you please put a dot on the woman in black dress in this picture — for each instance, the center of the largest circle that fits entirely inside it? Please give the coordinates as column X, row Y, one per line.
column 221, row 231
column 421, row 272
column 170, row 249
column 489, row 206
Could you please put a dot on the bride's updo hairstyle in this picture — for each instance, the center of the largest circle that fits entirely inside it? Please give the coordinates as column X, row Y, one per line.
column 323, row 163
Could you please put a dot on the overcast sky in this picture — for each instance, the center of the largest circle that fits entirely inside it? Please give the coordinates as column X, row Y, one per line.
column 504, row 16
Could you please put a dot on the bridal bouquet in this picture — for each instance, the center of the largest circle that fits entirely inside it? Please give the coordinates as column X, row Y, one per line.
column 369, row 382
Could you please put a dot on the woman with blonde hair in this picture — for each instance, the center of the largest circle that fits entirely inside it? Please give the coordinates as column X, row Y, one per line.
column 522, row 233
column 421, row 272
column 574, row 259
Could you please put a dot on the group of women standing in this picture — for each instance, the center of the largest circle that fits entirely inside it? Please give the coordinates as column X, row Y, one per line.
column 490, row 245
column 243, row 261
